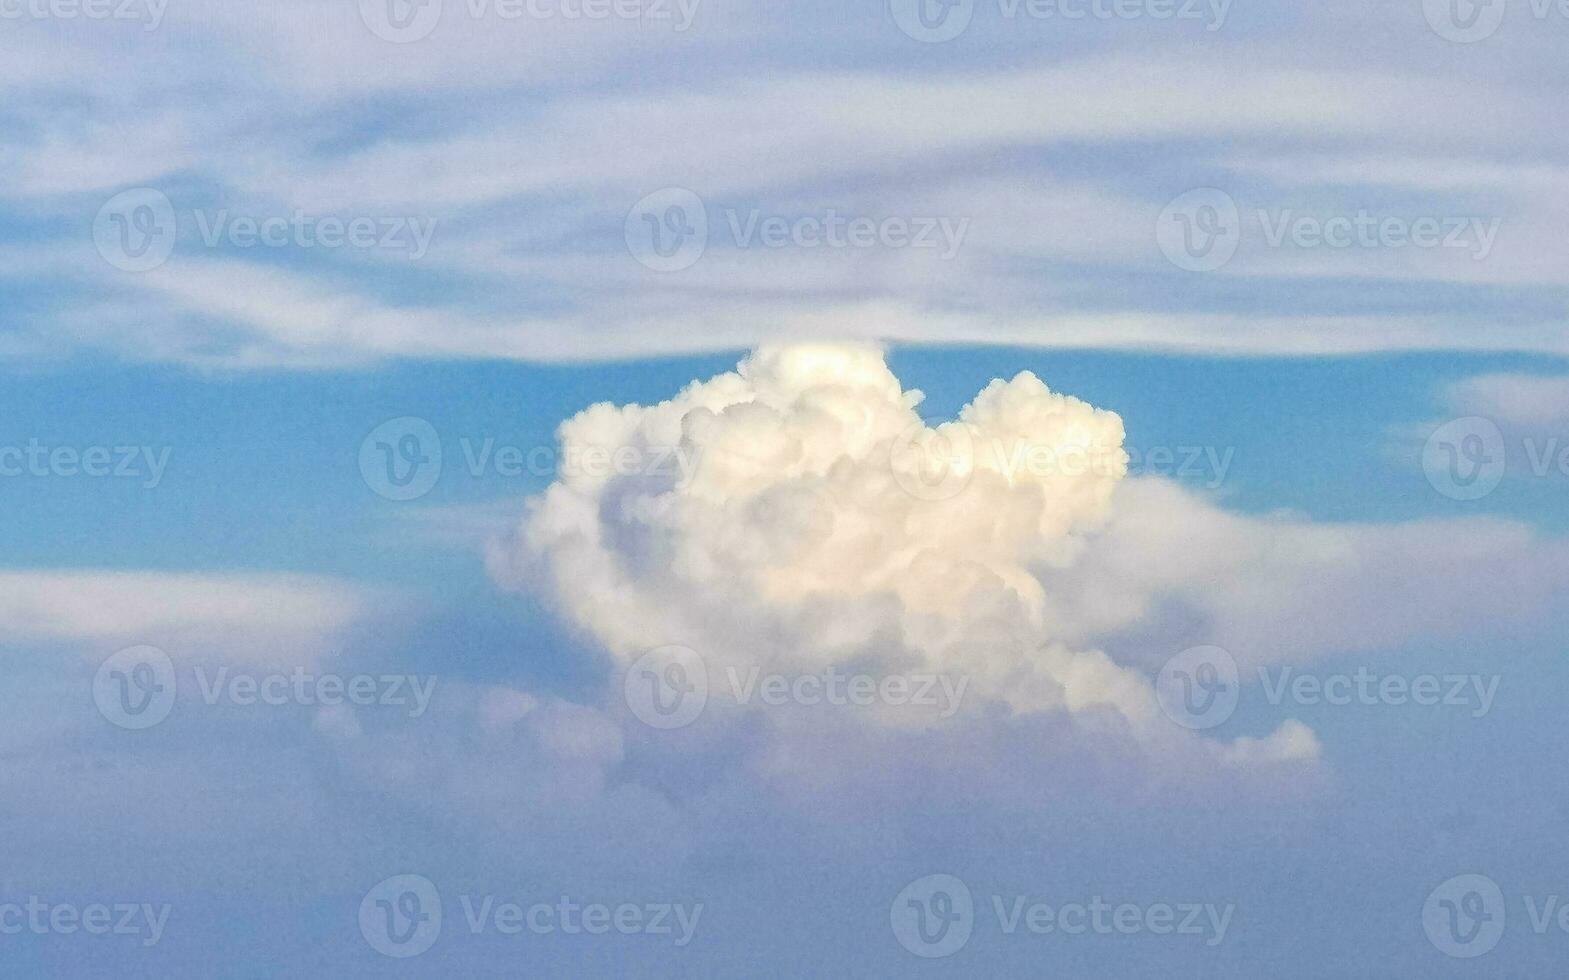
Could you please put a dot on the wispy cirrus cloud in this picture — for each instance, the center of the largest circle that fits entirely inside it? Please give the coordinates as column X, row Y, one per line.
column 534, row 193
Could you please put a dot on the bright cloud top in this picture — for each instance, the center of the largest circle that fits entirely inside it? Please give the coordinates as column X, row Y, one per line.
column 824, row 524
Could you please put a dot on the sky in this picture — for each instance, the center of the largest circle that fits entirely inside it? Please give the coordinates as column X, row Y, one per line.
column 669, row 488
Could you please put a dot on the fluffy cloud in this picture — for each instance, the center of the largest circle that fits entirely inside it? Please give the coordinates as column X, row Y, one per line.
column 825, row 525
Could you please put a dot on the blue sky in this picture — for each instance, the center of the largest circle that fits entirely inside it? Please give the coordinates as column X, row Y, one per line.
column 258, row 266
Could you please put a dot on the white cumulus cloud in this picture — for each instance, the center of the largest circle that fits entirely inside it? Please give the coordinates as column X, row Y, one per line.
column 823, row 524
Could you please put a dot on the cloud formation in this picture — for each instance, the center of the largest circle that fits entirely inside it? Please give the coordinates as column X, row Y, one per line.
column 827, row 526
column 580, row 119
column 1283, row 589
column 246, row 618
